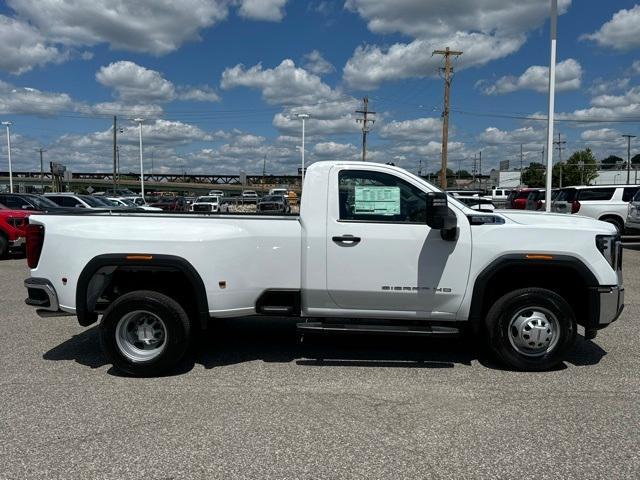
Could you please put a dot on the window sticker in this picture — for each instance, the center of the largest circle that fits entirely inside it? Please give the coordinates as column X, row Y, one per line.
column 377, row 200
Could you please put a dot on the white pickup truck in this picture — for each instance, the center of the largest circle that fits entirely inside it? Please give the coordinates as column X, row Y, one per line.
column 374, row 249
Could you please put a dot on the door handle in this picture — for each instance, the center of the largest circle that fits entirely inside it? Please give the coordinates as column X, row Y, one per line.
column 346, row 239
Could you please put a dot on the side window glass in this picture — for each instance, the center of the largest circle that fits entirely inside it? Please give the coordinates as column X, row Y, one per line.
column 379, row 197
column 596, row 194
column 629, row 193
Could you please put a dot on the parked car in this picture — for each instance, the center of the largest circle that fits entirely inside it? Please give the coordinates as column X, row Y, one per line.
column 375, row 249
column 250, row 196
column 138, row 200
column 517, row 199
column 609, row 203
column 209, row 204
column 274, row 204
column 171, row 204
column 13, row 225
column 216, row 193
column 535, row 200
column 73, row 200
column 632, row 225
column 125, row 202
column 477, row 203
column 28, row 201
column 279, row 191
column 499, row 194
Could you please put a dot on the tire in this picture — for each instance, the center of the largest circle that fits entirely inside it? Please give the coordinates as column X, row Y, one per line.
column 4, row 247
column 518, row 327
column 159, row 319
column 616, row 222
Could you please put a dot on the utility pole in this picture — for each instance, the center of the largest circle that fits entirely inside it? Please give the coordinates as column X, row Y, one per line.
column 522, row 158
column 365, row 125
column 420, row 168
column 629, row 137
column 559, row 146
column 41, row 150
column 114, row 152
column 264, row 169
column 445, row 112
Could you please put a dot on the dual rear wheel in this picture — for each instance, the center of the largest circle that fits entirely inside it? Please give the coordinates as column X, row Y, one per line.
column 146, row 333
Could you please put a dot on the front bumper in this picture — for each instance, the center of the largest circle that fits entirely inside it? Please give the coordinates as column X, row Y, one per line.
column 611, row 301
column 42, row 295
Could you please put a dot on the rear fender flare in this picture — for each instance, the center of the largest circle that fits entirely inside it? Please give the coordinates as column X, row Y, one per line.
column 87, row 317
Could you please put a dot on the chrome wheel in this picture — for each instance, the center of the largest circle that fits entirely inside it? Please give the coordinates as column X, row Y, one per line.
column 534, row 331
column 141, row 336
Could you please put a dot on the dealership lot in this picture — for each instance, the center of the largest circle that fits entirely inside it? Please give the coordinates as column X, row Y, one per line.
column 252, row 402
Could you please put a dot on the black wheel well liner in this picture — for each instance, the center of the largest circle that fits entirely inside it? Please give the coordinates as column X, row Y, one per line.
column 86, row 317
column 612, row 216
column 562, row 264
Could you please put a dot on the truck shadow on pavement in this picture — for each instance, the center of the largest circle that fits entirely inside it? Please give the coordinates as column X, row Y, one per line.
column 272, row 339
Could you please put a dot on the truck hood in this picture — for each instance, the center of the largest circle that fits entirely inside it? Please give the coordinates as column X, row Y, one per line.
column 576, row 222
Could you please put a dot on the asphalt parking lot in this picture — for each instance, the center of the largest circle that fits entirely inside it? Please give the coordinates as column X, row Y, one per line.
column 254, row 403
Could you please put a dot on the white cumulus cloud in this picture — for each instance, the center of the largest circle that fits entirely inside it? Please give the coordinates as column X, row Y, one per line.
column 536, row 78
column 622, row 32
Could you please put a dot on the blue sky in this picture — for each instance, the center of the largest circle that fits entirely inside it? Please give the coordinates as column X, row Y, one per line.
column 219, row 82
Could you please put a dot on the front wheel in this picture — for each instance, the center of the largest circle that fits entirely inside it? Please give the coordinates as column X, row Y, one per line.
column 144, row 333
column 531, row 329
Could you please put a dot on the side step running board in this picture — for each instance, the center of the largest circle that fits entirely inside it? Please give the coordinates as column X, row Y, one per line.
column 397, row 329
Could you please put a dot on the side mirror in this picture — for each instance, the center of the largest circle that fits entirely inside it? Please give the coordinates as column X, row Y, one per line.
column 438, row 216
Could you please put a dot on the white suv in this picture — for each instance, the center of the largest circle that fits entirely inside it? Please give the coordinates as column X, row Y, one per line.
column 608, row 203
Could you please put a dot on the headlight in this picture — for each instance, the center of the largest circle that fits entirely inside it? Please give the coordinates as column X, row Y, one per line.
column 634, row 212
column 607, row 244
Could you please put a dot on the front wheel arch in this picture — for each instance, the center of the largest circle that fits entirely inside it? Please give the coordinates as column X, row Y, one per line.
column 615, row 220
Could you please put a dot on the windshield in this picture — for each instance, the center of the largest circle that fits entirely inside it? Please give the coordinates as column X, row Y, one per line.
column 42, row 203
column 207, row 200
column 273, row 198
column 92, row 201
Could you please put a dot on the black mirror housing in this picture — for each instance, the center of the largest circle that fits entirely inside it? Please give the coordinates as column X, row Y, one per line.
column 438, row 211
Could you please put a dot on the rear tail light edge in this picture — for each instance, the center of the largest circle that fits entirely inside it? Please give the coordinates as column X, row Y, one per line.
column 35, row 240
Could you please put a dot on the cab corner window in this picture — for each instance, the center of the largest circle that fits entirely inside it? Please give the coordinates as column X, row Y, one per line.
column 379, row 197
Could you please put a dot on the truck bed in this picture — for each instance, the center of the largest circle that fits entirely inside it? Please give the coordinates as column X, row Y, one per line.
column 237, row 256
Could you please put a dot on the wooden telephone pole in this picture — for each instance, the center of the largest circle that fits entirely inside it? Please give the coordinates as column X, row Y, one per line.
column 366, row 122
column 446, row 53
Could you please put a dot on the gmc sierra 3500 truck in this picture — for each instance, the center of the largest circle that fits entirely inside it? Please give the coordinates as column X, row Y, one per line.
column 374, row 249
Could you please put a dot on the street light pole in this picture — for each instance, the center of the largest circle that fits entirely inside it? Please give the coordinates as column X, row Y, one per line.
column 8, row 124
column 629, row 137
column 303, row 117
column 552, row 90
column 140, row 120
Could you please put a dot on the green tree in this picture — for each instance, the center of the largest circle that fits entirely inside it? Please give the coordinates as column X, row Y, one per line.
column 580, row 169
column 612, row 162
column 463, row 174
column 534, row 175
column 635, row 160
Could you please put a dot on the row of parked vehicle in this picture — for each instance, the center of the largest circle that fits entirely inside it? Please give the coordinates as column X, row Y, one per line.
column 615, row 204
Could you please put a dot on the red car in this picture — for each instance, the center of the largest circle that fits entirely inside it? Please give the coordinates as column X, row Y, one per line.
column 518, row 198
column 13, row 226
